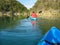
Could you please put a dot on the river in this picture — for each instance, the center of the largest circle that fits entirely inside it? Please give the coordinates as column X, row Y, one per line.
column 24, row 33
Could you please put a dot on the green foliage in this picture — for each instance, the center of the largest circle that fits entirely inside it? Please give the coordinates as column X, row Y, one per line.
column 8, row 5
column 46, row 4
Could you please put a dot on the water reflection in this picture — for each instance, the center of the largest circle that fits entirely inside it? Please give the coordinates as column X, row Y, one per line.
column 46, row 24
column 25, row 32
column 33, row 23
column 7, row 22
column 21, row 34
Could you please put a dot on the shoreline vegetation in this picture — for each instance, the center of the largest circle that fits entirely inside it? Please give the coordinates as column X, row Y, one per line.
column 8, row 21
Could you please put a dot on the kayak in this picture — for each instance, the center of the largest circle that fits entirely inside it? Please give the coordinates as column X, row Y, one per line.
column 43, row 43
column 33, row 19
column 51, row 37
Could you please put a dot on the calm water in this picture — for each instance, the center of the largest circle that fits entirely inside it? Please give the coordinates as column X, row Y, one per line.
column 24, row 32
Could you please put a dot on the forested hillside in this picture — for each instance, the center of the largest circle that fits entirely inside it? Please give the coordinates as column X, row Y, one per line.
column 12, row 6
column 47, row 4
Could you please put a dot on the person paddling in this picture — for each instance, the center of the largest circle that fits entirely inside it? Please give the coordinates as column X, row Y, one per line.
column 33, row 16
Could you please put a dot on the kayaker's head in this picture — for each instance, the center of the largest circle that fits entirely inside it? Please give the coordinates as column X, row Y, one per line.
column 33, row 12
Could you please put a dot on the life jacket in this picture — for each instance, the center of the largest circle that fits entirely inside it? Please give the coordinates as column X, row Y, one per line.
column 34, row 15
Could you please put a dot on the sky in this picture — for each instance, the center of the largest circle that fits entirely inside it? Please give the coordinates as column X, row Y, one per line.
column 28, row 3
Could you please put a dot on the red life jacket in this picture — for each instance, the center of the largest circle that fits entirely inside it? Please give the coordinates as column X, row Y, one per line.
column 34, row 15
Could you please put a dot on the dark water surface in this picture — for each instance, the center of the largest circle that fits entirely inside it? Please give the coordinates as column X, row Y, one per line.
column 24, row 33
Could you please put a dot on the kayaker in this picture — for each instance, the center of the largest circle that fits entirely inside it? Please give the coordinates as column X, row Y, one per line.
column 33, row 16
